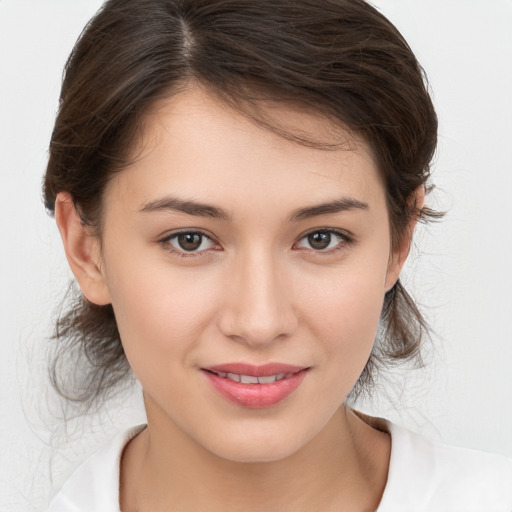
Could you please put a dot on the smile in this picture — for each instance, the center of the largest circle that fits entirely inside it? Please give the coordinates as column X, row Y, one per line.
column 253, row 379
column 255, row 387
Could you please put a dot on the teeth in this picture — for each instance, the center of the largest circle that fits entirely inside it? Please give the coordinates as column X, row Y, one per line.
column 248, row 379
column 252, row 379
column 267, row 380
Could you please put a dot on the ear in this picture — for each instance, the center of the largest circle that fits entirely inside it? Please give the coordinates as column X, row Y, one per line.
column 399, row 253
column 82, row 251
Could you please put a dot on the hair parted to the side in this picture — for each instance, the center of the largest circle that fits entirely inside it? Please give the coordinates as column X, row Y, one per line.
column 339, row 58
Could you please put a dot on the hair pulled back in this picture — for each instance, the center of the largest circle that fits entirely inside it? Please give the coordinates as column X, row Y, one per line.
column 340, row 58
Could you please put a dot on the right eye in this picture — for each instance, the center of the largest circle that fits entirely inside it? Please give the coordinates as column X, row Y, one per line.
column 188, row 243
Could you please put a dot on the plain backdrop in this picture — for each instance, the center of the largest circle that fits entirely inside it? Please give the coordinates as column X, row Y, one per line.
column 460, row 269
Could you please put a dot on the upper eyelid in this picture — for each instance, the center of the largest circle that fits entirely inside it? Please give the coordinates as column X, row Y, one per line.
column 172, row 234
column 339, row 232
column 166, row 238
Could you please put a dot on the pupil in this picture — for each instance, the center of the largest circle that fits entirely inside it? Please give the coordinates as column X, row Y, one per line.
column 319, row 240
column 189, row 241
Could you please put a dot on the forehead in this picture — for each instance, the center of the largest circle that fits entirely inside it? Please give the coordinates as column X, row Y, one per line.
column 195, row 144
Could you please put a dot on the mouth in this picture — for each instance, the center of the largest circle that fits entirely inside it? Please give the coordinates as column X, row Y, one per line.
column 255, row 387
column 252, row 379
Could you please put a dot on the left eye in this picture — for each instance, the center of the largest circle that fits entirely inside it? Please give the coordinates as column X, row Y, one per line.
column 190, row 241
column 322, row 240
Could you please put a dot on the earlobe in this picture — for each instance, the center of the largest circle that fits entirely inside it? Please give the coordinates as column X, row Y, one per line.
column 82, row 251
column 396, row 262
column 400, row 253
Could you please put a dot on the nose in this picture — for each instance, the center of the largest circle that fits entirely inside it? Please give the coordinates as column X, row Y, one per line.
column 258, row 307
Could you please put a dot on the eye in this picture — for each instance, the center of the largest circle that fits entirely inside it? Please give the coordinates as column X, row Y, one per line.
column 191, row 242
column 324, row 240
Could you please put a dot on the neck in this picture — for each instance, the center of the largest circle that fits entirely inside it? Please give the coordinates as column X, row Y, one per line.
column 343, row 468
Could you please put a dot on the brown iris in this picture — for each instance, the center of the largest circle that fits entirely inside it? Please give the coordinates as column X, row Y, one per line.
column 319, row 240
column 189, row 241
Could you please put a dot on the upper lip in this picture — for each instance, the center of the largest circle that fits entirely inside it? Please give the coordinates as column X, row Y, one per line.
column 264, row 370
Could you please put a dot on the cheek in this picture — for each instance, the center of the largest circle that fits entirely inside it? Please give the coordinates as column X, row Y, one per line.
column 350, row 315
column 348, row 337
column 160, row 312
column 344, row 310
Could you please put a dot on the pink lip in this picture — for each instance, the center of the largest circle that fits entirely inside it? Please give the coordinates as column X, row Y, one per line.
column 256, row 396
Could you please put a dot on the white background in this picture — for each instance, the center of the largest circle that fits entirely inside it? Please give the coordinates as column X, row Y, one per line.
column 460, row 271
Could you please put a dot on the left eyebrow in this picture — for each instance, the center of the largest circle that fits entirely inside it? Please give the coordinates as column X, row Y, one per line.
column 339, row 205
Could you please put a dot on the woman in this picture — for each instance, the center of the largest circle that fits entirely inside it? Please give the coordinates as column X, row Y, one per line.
column 236, row 184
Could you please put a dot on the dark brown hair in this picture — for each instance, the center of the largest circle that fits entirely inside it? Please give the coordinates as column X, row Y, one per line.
column 339, row 58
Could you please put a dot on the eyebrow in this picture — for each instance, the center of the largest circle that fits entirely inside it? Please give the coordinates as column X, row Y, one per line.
column 185, row 206
column 198, row 209
column 336, row 206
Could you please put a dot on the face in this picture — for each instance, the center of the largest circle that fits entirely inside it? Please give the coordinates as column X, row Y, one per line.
column 230, row 253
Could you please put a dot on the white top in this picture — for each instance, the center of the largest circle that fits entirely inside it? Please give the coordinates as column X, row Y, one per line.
column 423, row 477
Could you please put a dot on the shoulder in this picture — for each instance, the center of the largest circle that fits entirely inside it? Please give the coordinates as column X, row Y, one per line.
column 433, row 477
column 94, row 486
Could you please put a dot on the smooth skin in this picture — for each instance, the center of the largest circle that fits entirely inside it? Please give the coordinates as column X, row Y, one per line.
column 212, row 252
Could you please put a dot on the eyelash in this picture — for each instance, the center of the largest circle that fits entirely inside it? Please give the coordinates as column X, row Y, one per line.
column 345, row 239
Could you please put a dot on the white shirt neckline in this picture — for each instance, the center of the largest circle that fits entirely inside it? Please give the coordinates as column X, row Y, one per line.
column 422, row 477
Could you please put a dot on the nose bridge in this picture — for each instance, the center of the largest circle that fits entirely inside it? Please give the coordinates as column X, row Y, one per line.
column 259, row 307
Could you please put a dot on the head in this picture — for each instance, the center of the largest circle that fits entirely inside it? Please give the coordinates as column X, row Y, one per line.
column 331, row 83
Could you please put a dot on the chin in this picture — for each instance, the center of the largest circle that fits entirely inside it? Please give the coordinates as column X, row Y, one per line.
column 242, row 453
column 261, row 443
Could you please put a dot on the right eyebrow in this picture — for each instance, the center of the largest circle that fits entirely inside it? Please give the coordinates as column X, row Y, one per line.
column 172, row 203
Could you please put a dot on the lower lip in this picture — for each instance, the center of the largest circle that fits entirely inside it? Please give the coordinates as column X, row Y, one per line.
column 256, row 396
